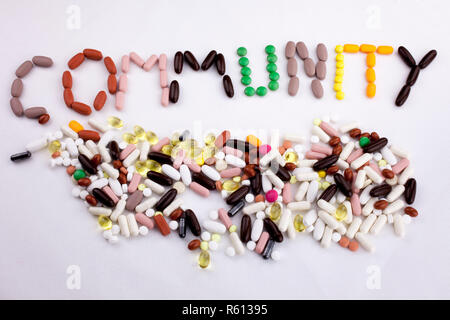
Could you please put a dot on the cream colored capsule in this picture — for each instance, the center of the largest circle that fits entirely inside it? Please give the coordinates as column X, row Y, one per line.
column 285, row 220
column 254, row 207
column 155, row 187
column 395, row 193
column 100, row 211
column 301, row 191
column 171, row 207
column 329, row 220
column 354, row 227
column 132, row 225
column 348, row 148
column 237, row 243
column 394, row 207
column 146, row 204
column 367, row 223
column 328, row 207
column 299, row 206
column 373, row 175
column 110, row 171
column 123, row 224
column 358, row 162
column 399, row 225
column 316, row 130
column 379, row 224
column 132, row 157
column 118, row 210
column 365, row 242
column 326, row 238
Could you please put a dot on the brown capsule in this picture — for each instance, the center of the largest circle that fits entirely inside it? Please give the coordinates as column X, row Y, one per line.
column 160, row 157
column 114, row 149
column 374, row 136
column 334, row 141
column 91, row 200
column 343, row 185
column 159, row 178
column 402, row 95
column 89, row 135
column 228, row 86
column 68, row 97
column 191, row 60
column 178, row 62
column 75, row 61
column 388, row 174
column 249, row 170
column 204, row 180
column 117, row 164
column 87, row 164
column 427, row 59
column 290, row 166
column 100, row 100
column 162, row 225
column 365, row 134
column 413, row 75
column 101, row 196
column 354, row 133
column 209, row 60
column 192, row 222
column 122, row 178
column 246, row 228
column 410, row 211
column 81, row 108
column 96, row 159
column 174, row 91
column 332, row 170
column 67, row 80
column 329, row 192
column 210, row 161
column 406, row 56
column 348, row 174
column 376, row 145
column 273, row 230
column 166, row 199
column 220, row 64
column 410, row 190
column 84, row 182
column 110, row 65
column 219, row 185
column 259, row 198
column 337, row 150
column 238, row 195
column 194, row 244
column 70, row 170
column 92, row 54
column 176, row 214
column 44, row 118
column 112, row 83
column 283, row 174
column 380, row 204
column 326, row 162
column 380, row 191
column 123, row 170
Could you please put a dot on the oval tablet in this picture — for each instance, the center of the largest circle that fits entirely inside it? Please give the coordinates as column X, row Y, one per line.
column 34, row 112
column 292, row 67
column 321, row 70
column 42, row 61
column 302, row 51
column 100, row 100
column 293, row 86
column 67, row 80
column 310, row 68
column 220, row 64
column 24, row 69
column 81, row 108
column 16, row 106
column 75, row 61
column 322, row 52
column 289, row 51
column 16, row 88
column 92, row 54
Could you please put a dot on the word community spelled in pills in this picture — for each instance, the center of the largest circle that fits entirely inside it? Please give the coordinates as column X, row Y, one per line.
column 343, row 189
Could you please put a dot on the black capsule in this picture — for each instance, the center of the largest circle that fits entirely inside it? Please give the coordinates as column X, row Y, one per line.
column 209, row 60
column 283, row 174
column 268, row 249
column 406, row 56
column 402, row 95
column 412, row 76
column 182, row 225
column 228, row 86
column 87, row 164
column 191, row 61
column 427, row 59
column 326, row 162
column 236, row 208
column 256, row 183
column 329, row 192
column 410, row 190
column 21, row 156
column 244, row 146
column 220, row 64
column 114, row 149
column 160, row 157
column 246, row 228
column 343, row 185
column 204, row 180
column 174, row 91
column 238, row 195
column 102, row 197
column 192, row 222
column 166, row 199
column 376, row 145
column 273, row 230
column 159, row 178
column 178, row 61
column 380, row 191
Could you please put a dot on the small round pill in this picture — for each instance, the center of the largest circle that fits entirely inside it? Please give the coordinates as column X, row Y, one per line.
column 113, row 240
column 230, row 251
column 213, row 245
column 251, row 245
column 115, row 229
column 249, row 198
column 205, row 236
column 150, row 212
column 213, row 214
column 260, row 215
column 173, row 225
column 275, row 255
column 107, row 234
column 143, row 230
column 76, row 192
column 335, row 237
column 147, row 192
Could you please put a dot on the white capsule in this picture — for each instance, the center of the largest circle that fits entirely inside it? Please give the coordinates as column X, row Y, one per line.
column 388, row 155
column 237, row 243
column 107, row 137
column 306, row 176
column 405, row 175
column 125, row 188
column 328, row 219
column 399, row 152
column 266, row 184
column 340, row 197
column 82, row 149
column 301, row 191
column 291, row 232
column 319, row 228
column 284, row 220
column 118, row 210
column 347, row 150
column 367, row 223
column 342, row 164
column 316, row 130
column 267, row 158
column 110, row 171
column 394, row 207
column 313, row 190
column 98, row 125
column 123, row 224
column 360, row 178
column 185, row 173
column 234, row 161
column 364, row 242
column 155, row 187
column 395, row 193
column 280, row 160
column 274, row 179
column 36, row 145
column 131, row 158
column 257, row 229
column 146, row 204
column 373, row 175
column 106, row 157
column 99, row 183
column 294, row 138
column 299, row 205
column 132, row 225
column 306, row 163
column 365, row 195
column 171, row 172
column 214, row 226
column 368, row 207
column 92, row 147
column 325, row 205
column 348, row 206
column 254, row 207
column 326, row 238
column 174, row 205
column 98, row 211
column 115, row 186
column 349, row 126
column 310, row 218
column 354, row 227
column 211, row 173
column 379, row 224
column 144, row 148
column 69, row 132
column 361, row 160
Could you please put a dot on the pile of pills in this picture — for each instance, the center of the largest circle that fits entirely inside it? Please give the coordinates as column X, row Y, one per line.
column 342, row 185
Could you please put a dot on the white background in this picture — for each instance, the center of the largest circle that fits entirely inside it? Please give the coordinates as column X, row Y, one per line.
column 44, row 229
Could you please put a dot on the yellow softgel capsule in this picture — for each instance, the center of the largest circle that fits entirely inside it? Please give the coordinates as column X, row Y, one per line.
column 199, row 160
column 230, row 185
column 317, row 122
column 382, row 163
column 341, row 212
column 142, row 187
column 204, row 259
column 129, row 138
column 237, row 179
column 153, row 165
column 293, row 179
column 322, row 173
column 167, row 149
column 340, row 65
column 204, row 245
column 232, row 228
column 115, row 122
column 54, row 146
column 338, row 79
column 275, row 211
column 298, row 223
column 209, row 151
column 209, row 139
column 339, row 49
column 325, row 185
column 215, row 237
column 75, row 126
column 339, row 57
column 340, row 95
column 139, row 132
column 337, row 87
column 291, row 156
column 175, row 139
column 104, row 222
column 151, row 137
column 141, row 168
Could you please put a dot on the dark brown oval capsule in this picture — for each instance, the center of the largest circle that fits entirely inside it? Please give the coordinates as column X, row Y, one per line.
column 204, row 180
column 273, row 230
column 406, row 56
column 102, row 197
column 159, row 178
column 166, row 199
column 326, row 162
column 236, row 208
column 228, row 86
column 402, row 95
column 160, row 157
column 413, row 75
column 246, row 228
column 376, row 145
column 410, row 190
column 21, row 156
column 178, row 62
column 283, row 174
column 244, row 146
column 380, row 191
column 329, row 192
column 191, row 61
column 427, row 59
column 182, row 225
column 343, row 185
column 87, row 164
column 238, row 195
column 209, row 60
column 114, row 149
column 174, row 91
column 256, row 183
column 192, row 222
column 268, row 249
column 220, row 64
